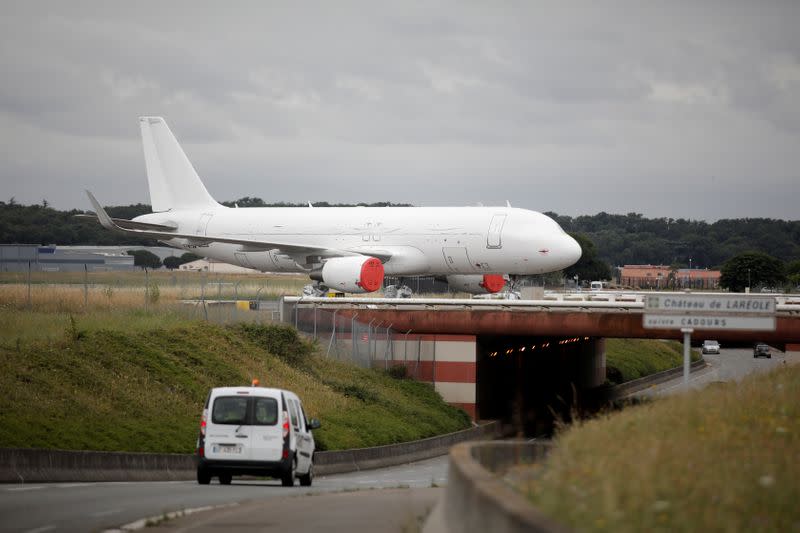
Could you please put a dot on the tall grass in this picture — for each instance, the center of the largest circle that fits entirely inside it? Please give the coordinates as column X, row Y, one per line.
column 722, row 459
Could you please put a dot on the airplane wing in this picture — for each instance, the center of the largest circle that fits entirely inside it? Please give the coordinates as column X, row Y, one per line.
column 161, row 232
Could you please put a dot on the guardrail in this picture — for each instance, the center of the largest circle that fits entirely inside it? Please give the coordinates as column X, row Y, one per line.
column 24, row 465
column 629, row 387
column 588, row 301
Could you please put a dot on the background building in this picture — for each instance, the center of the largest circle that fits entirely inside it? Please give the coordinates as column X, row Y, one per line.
column 20, row 257
column 665, row 277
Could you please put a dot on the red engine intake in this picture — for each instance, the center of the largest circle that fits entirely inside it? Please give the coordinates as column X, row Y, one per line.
column 493, row 283
column 351, row 274
column 477, row 283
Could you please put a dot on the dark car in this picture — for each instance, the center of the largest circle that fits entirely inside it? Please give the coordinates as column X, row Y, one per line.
column 761, row 350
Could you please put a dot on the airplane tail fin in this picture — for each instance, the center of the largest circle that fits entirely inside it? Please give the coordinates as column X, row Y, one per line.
column 173, row 182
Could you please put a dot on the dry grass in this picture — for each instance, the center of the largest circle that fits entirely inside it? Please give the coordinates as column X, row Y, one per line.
column 71, row 293
column 722, row 459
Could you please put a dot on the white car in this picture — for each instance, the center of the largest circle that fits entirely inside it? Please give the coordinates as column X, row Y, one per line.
column 255, row 431
column 710, row 347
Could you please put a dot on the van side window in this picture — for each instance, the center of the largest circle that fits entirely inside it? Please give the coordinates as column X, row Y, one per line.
column 265, row 411
column 229, row 410
column 303, row 418
column 293, row 413
column 300, row 416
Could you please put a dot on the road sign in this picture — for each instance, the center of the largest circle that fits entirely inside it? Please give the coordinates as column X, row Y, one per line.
column 709, row 311
column 689, row 312
column 710, row 304
column 719, row 321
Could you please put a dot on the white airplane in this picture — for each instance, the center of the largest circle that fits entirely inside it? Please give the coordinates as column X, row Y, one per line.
column 348, row 249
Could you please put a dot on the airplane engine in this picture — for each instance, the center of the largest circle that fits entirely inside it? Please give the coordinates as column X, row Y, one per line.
column 350, row 274
column 477, row 283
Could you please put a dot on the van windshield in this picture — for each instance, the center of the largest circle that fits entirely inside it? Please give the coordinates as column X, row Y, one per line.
column 229, row 410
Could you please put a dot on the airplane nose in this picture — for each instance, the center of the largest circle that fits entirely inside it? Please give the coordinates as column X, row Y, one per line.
column 571, row 250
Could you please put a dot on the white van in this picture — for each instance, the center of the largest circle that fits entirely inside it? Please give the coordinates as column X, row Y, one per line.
column 255, row 431
column 598, row 285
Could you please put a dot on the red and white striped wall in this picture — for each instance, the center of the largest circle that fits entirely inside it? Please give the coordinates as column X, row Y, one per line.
column 447, row 361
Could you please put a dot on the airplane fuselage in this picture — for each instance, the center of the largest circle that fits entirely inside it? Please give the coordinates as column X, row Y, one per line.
column 420, row 240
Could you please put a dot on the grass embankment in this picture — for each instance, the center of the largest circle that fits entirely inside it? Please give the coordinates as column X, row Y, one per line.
column 629, row 359
column 142, row 387
column 725, row 458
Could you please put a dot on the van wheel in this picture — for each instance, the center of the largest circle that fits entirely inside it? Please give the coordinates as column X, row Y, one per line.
column 225, row 479
column 203, row 476
column 287, row 479
column 307, row 479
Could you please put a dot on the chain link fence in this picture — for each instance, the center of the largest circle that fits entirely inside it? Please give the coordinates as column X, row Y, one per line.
column 367, row 344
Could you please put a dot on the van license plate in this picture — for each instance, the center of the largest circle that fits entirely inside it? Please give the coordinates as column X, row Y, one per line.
column 227, row 448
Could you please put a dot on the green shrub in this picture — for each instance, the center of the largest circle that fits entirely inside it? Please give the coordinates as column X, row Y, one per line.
column 282, row 341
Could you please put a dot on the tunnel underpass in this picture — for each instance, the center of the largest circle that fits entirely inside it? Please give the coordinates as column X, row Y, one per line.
column 531, row 382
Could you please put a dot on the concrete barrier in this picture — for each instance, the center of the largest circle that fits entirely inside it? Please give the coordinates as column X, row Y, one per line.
column 394, row 454
column 24, row 465
column 476, row 499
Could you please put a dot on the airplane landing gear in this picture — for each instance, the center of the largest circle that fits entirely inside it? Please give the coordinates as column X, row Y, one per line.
column 397, row 291
column 315, row 289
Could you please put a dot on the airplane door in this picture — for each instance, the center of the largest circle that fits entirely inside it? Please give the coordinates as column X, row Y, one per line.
column 493, row 238
column 457, row 259
column 202, row 225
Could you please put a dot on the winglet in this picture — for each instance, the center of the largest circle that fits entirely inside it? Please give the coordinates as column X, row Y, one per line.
column 102, row 216
column 508, row 204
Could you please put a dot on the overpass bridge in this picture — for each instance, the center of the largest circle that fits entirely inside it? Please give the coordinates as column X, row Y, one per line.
column 495, row 357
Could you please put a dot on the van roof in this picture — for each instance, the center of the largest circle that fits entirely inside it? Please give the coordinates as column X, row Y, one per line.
column 249, row 391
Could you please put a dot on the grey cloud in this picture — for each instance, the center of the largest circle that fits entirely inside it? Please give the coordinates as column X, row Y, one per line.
column 574, row 108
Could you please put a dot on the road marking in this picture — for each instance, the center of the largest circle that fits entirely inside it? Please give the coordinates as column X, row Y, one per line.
column 21, row 489
column 144, row 522
column 41, row 529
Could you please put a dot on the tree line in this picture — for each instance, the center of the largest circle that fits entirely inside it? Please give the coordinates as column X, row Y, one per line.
column 634, row 239
column 606, row 239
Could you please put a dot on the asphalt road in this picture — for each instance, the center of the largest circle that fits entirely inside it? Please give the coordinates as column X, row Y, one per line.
column 44, row 507
column 731, row 364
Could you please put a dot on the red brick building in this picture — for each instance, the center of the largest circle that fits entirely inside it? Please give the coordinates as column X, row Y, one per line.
column 662, row 277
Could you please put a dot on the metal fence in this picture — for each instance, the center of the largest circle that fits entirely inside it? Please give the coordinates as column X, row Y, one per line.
column 346, row 338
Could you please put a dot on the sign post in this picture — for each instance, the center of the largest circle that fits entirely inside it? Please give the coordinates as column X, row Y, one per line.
column 687, row 355
column 689, row 312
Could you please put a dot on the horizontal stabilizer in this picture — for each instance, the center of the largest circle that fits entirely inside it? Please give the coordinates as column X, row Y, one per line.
column 132, row 224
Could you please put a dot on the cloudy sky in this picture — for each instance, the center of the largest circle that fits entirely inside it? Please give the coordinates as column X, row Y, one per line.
column 673, row 109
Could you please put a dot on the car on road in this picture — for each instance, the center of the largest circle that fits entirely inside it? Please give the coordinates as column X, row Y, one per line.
column 256, row 431
column 761, row 350
column 710, row 346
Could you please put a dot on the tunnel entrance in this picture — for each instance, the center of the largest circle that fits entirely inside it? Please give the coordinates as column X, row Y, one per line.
column 532, row 382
